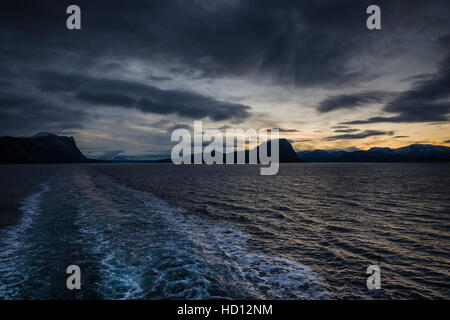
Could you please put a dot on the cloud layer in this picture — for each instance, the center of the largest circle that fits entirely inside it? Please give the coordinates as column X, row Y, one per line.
column 361, row 135
column 136, row 70
column 146, row 98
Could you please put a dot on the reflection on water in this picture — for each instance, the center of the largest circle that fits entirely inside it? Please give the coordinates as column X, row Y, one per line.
column 162, row 231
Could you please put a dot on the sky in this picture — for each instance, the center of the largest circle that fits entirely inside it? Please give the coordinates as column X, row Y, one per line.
column 139, row 69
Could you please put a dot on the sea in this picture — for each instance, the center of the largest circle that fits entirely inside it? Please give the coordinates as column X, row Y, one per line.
column 161, row 231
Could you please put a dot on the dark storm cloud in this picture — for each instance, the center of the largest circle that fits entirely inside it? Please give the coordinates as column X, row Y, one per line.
column 305, row 43
column 158, row 78
column 4, row 84
column 179, row 126
column 113, row 99
column 351, row 101
column 299, row 140
column 146, row 98
column 11, row 100
column 417, row 105
column 362, row 135
column 339, row 127
column 21, row 113
column 297, row 43
column 428, row 99
column 286, row 130
column 27, row 119
column 346, row 130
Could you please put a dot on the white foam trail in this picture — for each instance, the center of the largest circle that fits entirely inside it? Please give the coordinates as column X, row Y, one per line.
column 261, row 275
column 12, row 242
column 120, row 281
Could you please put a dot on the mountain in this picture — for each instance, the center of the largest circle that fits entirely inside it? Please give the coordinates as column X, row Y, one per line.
column 411, row 153
column 319, row 155
column 41, row 148
column 286, row 152
column 51, row 148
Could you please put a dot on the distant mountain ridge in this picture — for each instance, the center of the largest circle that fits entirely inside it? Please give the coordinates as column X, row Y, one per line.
column 41, row 148
column 50, row 148
column 286, row 153
column 411, row 153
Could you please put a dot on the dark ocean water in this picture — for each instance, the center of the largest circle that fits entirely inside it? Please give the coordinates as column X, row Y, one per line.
column 144, row 231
